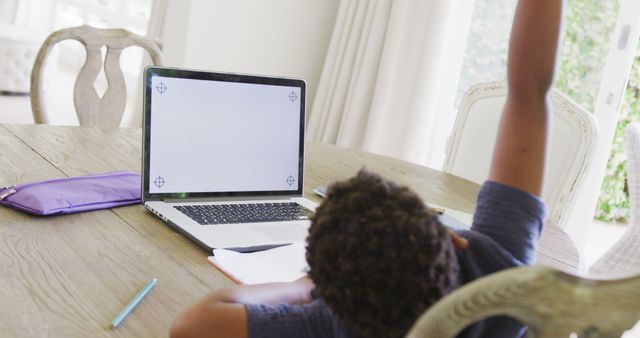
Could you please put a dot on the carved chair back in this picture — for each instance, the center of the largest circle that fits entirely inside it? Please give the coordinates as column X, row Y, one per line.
column 92, row 109
column 550, row 302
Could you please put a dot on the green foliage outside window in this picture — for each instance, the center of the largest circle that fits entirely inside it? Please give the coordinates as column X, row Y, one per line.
column 588, row 28
column 613, row 204
column 585, row 46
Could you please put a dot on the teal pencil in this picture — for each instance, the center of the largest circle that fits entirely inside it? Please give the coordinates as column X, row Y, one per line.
column 133, row 303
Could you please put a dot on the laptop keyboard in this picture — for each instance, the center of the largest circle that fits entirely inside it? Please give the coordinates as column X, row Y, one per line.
column 245, row 213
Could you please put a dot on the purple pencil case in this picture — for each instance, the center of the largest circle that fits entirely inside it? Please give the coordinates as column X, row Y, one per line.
column 74, row 194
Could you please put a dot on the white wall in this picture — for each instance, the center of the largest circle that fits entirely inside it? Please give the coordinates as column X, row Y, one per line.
column 274, row 37
column 8, row 11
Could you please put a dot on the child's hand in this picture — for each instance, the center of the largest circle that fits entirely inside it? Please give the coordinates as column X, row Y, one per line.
column 458, row 241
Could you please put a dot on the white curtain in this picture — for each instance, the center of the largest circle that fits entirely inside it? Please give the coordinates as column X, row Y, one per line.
column 155, row 28
column 389, row 80
column 156, row 21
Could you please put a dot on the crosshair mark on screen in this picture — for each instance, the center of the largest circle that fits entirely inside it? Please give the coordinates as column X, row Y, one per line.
column 159, row 181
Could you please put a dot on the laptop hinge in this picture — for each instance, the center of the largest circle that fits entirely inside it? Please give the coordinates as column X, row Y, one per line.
column 228, row 198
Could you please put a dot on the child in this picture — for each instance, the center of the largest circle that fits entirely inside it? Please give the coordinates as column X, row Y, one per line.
column 378, row 258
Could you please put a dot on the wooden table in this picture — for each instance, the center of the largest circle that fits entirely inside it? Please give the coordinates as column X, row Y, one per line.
column 68, row 276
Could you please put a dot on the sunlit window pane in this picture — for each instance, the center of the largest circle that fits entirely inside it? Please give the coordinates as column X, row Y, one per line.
column 588, row 28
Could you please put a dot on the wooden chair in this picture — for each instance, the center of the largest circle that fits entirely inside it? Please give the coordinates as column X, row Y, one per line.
column 550, row 302
column 624, row 256
column 573, row 143
column 105, row 111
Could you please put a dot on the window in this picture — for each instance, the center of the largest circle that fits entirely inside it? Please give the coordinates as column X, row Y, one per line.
column 487, row 43
column 132, row 15
column 585, row 44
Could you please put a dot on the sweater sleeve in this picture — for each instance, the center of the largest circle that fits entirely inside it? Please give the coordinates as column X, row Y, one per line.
column 282, row 321
column 511, row 217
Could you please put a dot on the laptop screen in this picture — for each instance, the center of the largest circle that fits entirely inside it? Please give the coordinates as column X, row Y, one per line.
column 212, row 134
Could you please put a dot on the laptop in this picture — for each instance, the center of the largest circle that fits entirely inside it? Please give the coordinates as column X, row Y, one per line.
column 223, row 157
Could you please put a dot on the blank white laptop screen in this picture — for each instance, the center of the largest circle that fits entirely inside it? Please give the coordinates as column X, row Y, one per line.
column 223, row 136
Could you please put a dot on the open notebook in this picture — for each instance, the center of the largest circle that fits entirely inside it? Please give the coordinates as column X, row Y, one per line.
column 288, row 263
column 283, row 264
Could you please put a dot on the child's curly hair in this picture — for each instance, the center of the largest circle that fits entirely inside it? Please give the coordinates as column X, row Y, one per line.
column 378, row 256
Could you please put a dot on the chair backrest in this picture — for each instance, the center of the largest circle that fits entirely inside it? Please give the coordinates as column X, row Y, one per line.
column 573, row 141
column 624, row 256
column 105, row 111
column 550, row 302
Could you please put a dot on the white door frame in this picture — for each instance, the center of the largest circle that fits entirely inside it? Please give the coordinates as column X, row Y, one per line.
column 607, row 111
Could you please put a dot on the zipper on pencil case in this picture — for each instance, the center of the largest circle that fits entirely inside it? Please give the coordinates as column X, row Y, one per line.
column 8, row 192
column 15, row 188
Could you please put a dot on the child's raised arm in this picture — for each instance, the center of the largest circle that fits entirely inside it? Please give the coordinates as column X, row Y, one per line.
column 520, row 149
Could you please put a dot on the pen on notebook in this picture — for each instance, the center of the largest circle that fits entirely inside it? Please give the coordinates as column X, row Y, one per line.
column 133, row 303
column 440, row 211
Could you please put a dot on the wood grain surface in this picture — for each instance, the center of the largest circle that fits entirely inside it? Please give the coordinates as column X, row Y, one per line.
column 68, row 276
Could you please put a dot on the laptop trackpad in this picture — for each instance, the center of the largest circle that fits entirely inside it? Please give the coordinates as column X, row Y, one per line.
column 284, row 233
